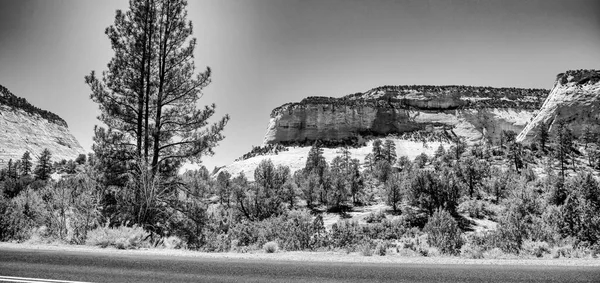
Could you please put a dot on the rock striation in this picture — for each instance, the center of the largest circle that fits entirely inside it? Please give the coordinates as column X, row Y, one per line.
column 474, row 113
column 574, row 99
column 24, row 127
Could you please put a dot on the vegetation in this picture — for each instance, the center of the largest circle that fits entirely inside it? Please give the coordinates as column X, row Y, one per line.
column 128, row 193
column 11, row 100
column 148, row 101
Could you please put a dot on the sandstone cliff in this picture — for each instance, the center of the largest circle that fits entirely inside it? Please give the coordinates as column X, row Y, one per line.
column 24, row 127
column 574, row 99
column 475, row 113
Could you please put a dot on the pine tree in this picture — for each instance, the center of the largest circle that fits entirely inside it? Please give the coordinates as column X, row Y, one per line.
column 563, row 143
column 44, row 166
column 377, row 150
column 389, row 151
column 394, row 190
column 26, row 164
column 148, row 95
column 148, row 101
column 543, row 136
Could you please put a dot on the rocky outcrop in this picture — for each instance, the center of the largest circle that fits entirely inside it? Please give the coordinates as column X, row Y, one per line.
column 24, row 127
column 575, row 99
column 475, row 113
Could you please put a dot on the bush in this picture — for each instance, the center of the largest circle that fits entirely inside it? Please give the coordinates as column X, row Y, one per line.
column 121, row 237
column 443, row 232
column 534, row 248
column 375, row 217
column 271, row 247
column 173, row 242
column 471, row 251
column 346, row 233
column 381, row 249
column 366, row 249
column 475, row 208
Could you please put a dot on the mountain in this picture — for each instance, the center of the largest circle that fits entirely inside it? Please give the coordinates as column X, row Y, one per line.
column 473, row 113
column 25, row 127
column 575, row 99
column 418, row 119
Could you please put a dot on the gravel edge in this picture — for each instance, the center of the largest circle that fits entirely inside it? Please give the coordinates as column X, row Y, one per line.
column 338, row 257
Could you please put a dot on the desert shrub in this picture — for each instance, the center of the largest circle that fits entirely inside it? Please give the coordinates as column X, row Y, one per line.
column 375, row 217
column 21, row 215
column 366, row 249
column 346, row 233
column 475, row 208
column 443, row 232
column 271, row 247
column 494, row 253
column 535, row 248
column 173, row 242
column 414, row 217
column 294, row 230
column 386, row 229
column 121, row 237
column 381, row 248
column 469, row 250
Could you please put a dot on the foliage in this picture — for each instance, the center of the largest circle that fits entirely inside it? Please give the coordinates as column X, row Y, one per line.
column 395, row 188
column 9, row 99
column 122, row 237
column 271, row 247
column 443, row 232
column 148, row 102
column 44, row 165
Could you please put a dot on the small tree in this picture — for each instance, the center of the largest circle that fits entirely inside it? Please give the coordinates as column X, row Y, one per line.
column 389, row 151
column 80, row 159
column 563, row 145
column 394, row 190
column 377, row 150
column 224, row 187
column 543, row 136
column 44, row 167
column 443, row 232
column 26, row 164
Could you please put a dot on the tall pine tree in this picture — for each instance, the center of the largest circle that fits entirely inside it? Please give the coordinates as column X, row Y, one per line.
column 148, row 100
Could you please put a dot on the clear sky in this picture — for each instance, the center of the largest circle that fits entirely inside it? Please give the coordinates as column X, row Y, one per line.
column 268, row 52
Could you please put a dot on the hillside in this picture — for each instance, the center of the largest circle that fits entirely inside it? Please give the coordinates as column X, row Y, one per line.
column 24, row 127
column 575, row 99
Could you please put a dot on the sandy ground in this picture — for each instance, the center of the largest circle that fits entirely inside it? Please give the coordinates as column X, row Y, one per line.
column 311, row 256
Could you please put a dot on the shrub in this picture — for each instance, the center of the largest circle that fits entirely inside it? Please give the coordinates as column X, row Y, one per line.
column 271, row 247
column 366, row 249
column 535, row 248
column 381, row 249
column 375, row 217
column 494, row 253
column 471, row 251
column 475, row 208
column 122, row 237
column 346, row 233
column 443, row 232
column 173, row 242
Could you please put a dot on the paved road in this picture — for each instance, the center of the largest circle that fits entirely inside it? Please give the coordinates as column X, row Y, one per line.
column 103, row 267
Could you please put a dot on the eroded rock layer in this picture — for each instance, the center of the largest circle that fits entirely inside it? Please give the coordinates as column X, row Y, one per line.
column 575, row 99
column 475, row 113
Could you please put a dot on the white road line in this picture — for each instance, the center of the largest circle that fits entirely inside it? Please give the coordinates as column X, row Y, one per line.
column 34, row 280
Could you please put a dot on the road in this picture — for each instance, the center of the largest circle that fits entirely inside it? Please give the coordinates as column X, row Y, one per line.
column 23, row 265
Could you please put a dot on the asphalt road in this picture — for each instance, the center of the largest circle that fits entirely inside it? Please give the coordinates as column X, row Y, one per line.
column 104, row 267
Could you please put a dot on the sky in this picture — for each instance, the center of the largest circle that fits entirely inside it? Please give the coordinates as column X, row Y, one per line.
column 265, row 53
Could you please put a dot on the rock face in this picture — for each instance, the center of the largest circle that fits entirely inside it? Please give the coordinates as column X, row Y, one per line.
column 24, row 127
column 475, row 113
column 575, row 99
